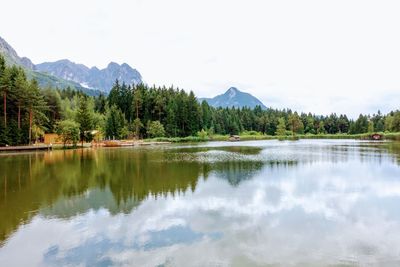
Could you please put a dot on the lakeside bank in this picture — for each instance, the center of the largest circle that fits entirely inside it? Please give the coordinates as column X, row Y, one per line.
column 254, row 137
column 194, row 139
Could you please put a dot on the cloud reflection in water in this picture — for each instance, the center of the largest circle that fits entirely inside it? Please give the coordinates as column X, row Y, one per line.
column 309, row 203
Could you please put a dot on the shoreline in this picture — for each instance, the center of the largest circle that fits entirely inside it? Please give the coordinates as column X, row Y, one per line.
column 195, row 139
column 366, row 136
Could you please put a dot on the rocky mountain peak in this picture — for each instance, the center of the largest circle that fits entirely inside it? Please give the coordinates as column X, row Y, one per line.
column 233, row 97
column 232, row 92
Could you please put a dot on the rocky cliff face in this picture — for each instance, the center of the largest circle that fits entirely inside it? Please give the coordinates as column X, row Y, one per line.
column 93, row 78
column 12, row 57
column 64, row 72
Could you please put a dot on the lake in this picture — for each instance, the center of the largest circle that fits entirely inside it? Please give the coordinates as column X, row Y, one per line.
column 261, row 203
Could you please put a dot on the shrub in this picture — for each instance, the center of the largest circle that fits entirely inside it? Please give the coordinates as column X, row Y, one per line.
column 68, row 130
column 155, row 129
column 202, row 134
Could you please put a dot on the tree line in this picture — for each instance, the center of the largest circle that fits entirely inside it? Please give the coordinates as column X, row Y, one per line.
column 142, row 111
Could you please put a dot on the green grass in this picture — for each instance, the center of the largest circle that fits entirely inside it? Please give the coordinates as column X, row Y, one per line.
column 334, row 136
column 364, row 136
column 178, row 139
column 248, row 136
column 392, row 136
column 244, row 137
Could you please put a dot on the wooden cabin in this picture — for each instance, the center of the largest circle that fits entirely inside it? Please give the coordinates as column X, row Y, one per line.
column 52, row 138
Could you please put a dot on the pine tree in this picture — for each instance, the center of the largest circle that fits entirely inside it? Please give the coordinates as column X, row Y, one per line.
column 138, row 125
column 194, row 114
column 295, row 123
column 36, row 107
column 53, row 101
column 20, row 93
column 84, row 116
column 321, row 128
column 5, row 84
column 114, row 95
column 206, row 115
column 371, row 127
column 171, row 125
column 281, row 128
column 115, row 125
column 137, row 102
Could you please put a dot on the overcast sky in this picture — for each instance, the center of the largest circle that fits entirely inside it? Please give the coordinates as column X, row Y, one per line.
column 319, row 56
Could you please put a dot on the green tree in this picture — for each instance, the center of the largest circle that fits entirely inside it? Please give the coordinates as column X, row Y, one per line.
column 389, row 123
column 2, row 65
column 114, row 95
column 321, row 128
column 396, row 122
column 309, row 125
column 20, row 93
column 263, row 122
column 36, row 107
column 202, row 134
column 159, row 106
column 379, row 122
column 54, row 113
column 137, row 102
column 101, row 103
column 69, row 131
column 371, row 127
column 281, row 128
column 194, row 114
column 360, row 125
column 295, row 123
column 171, row 124
column 84, row 116
column 138, row 125
column 207, row 114
column 5, row 86
column 115, row 124
column 155, row 129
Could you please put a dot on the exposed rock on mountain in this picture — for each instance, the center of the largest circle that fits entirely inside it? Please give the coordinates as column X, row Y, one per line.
column 64, row 73
column 234, row 98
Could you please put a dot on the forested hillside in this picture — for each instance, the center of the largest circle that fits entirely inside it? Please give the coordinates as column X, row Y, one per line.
column 140, row 111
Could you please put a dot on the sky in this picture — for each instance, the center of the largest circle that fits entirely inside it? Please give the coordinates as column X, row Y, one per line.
column 314, row 56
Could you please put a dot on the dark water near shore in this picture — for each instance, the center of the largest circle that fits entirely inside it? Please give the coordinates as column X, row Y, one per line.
column 263, row 203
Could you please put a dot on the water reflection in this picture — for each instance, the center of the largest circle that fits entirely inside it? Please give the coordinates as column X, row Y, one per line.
column 256, row 203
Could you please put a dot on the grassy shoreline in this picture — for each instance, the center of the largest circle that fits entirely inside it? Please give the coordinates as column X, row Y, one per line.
column 247, row 137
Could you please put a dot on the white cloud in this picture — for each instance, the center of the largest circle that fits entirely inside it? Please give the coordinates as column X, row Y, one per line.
column 299, row 54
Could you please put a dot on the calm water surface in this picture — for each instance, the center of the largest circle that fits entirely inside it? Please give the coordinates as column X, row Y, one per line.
column 264, row 203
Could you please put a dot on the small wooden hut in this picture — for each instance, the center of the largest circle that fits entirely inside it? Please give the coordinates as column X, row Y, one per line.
column 52, row 138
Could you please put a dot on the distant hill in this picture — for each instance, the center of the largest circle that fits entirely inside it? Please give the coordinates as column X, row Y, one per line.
column 234, row 98
column 64, row 73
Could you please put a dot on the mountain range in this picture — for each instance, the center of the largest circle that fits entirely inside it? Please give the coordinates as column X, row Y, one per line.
column 93, row 81
column 233, row 97
column 65, row 73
